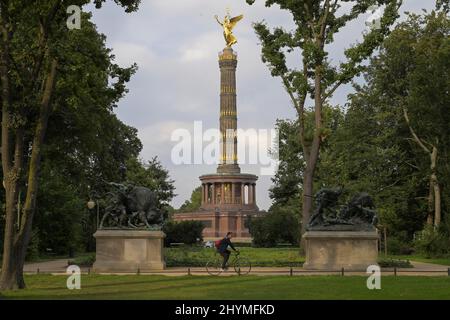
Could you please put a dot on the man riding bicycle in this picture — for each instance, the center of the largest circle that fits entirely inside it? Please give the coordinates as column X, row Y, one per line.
column 222, row 248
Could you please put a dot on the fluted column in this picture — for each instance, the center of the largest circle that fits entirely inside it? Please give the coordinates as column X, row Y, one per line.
column 233, row 193
column 203, row 193
column 228, row 112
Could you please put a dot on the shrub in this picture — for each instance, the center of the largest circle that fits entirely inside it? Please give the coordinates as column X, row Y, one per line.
column 273, row 228
column 84, row 261
column 397, row 246
column 391, row 263
column 433, row 243
column 187, row 232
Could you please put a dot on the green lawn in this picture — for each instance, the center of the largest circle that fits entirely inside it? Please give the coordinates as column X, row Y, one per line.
column 260, row 257
column 245, row 287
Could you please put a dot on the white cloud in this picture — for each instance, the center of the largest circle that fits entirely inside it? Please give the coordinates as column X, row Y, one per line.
column 128, row 53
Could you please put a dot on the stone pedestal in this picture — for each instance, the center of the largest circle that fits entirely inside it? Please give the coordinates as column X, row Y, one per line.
column 334, row 250
column 129, row 250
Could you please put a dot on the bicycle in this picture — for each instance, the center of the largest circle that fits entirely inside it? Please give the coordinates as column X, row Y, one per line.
column 241, row 265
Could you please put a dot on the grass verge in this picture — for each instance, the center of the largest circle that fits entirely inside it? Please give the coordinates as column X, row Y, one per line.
column 234, row 287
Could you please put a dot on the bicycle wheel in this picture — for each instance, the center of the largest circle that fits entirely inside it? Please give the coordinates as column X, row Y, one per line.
column 214, row 267
column 242, row 266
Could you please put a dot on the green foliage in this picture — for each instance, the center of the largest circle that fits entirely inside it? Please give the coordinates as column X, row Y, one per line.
column 33, row 246
column 59, row 213
column 287, row 182
column 274, row 227
column 84, row 260
column 315, row 81
column 394, row 263
column 194, row 203
column 370, row 148
column 129, row 5
column 187, row 232
column 433, row 243
column 85, row 142
column 152, row 175
column 317, row 22
column 398, row 246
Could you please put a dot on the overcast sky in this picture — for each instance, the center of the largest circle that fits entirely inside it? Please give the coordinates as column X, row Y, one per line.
column 175, row 44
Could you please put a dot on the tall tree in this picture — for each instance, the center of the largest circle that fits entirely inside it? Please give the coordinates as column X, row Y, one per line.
column 375, row 148
column 34, row 45
column 153, row 175
column 194, row 202
column 317, row 23
column 413, row 71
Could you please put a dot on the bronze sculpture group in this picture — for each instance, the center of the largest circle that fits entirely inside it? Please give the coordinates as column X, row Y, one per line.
column 131, row 207
column 357, row 215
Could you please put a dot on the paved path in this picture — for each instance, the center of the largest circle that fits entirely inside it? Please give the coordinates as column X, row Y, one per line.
column 59, row 266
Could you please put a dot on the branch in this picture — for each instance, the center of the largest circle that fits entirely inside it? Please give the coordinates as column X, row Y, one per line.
column 291, row 93
column 299, row 104
column 44, row 27
column 38, row 140
column 389, row 186
column 323, row 23
column 332, row 90
column 411, row 165
column 310, row 19
column 413, row 133
column 334, row 7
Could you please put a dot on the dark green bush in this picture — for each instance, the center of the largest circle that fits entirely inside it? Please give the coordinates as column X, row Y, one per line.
column 397, row 246
column 391, row 263
column 187, row 232
column 83, row 261
column 273, row 228
column 433, row 243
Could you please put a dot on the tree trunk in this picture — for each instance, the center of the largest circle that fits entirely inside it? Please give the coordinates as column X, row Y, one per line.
column 430, row 214
column 434, row 197
column 15, row 247
column 312, row 156
column 24, row 234
column 307, row 198
column 436, row 188
column 8, row 276
column 307, row 201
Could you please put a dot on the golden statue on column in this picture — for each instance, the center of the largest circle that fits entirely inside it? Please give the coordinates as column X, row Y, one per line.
column 228, row 24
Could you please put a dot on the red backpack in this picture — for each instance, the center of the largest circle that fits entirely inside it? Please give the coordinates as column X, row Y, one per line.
column 217, row 243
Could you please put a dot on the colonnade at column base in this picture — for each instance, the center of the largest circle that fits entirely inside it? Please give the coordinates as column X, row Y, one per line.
column 218, row 223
